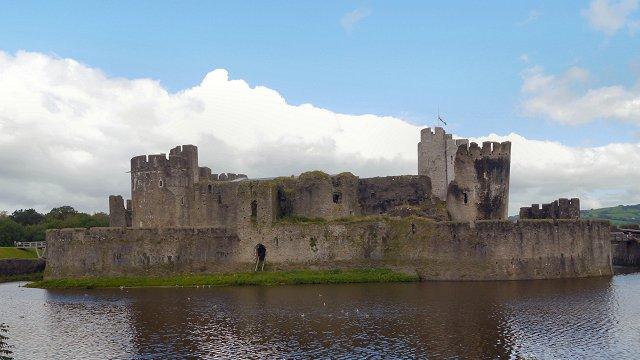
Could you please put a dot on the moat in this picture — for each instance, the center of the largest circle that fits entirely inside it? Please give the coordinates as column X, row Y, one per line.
column 571, row 318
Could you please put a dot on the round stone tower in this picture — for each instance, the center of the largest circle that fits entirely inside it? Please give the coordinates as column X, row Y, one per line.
column 480, row 190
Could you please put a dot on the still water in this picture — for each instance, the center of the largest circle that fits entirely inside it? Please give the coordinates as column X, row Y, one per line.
column 576, row 319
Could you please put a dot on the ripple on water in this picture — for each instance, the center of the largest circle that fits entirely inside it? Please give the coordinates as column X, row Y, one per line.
column 594, row 318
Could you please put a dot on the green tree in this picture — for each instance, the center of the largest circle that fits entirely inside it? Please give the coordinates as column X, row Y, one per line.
column 10, row 231
column 61, row 213
column 27, row 217
column 34, row 232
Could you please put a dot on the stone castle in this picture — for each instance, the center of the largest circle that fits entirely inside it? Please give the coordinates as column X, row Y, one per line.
column 449, row 222
column 472, row 181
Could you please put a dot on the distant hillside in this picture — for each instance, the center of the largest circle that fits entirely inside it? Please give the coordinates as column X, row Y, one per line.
column 618, row 215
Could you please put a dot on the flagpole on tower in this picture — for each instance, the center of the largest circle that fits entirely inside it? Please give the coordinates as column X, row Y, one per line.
column 440, row 117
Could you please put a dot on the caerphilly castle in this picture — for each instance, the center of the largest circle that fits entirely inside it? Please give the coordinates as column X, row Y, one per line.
column 449, row 222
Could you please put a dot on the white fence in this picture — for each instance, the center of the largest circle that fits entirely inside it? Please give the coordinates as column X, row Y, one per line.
column 38, row 245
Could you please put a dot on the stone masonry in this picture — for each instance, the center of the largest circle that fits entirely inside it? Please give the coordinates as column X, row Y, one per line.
column 182, row 218
column 436, row 158
column 559, row 209
column 480, row 190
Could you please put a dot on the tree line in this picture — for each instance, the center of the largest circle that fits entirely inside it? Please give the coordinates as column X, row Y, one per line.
column 30, row 225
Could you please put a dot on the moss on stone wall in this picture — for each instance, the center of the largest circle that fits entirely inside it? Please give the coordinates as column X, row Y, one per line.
column 294, row 219
column 314, row 175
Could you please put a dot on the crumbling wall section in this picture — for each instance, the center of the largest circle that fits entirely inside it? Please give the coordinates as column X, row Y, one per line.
column 118, row 214
column 380, row 195
column 316, row 194
column 257, row 203
column 215, row 203
column 559, row 209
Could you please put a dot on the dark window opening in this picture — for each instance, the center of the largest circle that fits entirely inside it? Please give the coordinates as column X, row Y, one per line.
column 219, row 199
column 337, row 198
column 210, row 187
column 466, row 198
column 254, row 209
column 182, row 201
column 373, row 194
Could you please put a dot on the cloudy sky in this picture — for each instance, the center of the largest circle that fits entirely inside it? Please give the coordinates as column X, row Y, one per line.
column 279, row 88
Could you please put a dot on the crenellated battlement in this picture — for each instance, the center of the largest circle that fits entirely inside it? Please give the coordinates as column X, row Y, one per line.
column 488, row 149
column 180, row 158
column 206, row 175
column 184, row 151
column 559, row 209
column 429, row 134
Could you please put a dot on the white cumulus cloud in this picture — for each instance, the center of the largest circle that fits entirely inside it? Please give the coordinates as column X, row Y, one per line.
column 566, row 98
column 67, row 132
column 610, row 16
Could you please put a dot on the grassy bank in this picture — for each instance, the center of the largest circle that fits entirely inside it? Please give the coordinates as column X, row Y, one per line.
column 260, row 278
column 16, row 253
column 24, row 277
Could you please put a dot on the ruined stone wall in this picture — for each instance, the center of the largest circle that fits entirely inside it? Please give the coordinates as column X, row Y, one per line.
column 380, row 195
column 118, row 214
column 318, row 195
column 559, row 209
column 436, row 158
column 207, row 177
column 257, row 203
column 480, row 190
column 491, row 250
column 214, row 203
column 625, row 249
column 12, row 267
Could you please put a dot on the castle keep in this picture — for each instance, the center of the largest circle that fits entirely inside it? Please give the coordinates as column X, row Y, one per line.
column 449, row 222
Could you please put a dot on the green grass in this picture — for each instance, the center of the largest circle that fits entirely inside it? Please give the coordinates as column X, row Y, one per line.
column 25, row 277
column 617, row 215
column 260, row 278
column 15, row 253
